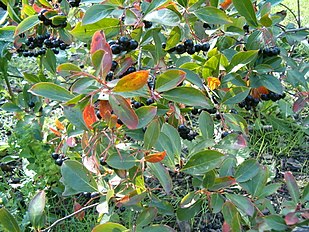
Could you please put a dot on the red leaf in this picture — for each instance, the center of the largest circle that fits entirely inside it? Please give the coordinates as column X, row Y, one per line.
column 226, row 227
column 291, row 219
column 80, row 216
column 241, row 141
column 300, row 103
column 156, row 157
column 132, row 81
column 71, row 142
column 104, row 107
column 89, row 116
column 55, row 131
column 36, row 8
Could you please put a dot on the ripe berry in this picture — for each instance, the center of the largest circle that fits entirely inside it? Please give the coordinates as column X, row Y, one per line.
column 119, row 122
column 191, row 51
column 274, row 96
column 197, row 47
column 233, row 111
column 41, row 15
column 147, row 24
column 102, row 161
column 246, row 28
column 282, row 95
column 55, row 156
column 62, row 46
column 242, row 104
column 205, row 47
column 189, row 43
column 194, row 111
column 48, row 43
column 115, row 48
column 275, row 51
column 123, row 40
column 109, row 75
column 163, row 45
column 133, row 44
column 122, row 209
column 131, row 70
column 31, row 104
column 55, row 51
column 224, row 134
column 114, row 65
column 264, row 97
column 87, row 195
column 255, row 102
column 180, row 49
column 218, row 116
column 59, row 161
column 137, row 105
column 149, row 101
column 249, row 99
column 183, row 129
column 206, row 26
column 212, row 111
column 99, row 115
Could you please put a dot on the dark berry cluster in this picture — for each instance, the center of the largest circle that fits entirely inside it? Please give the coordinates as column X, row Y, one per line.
column 147, row 24
column 249, row 102
column 269, row 52
column 110, row 74
column 74, row 3
column 37, row 46
column 48, row 22
column 123, row 44
column 59, row 158
column 186, row 133
column 136, row 104
column 196, row 111
column 189, row 47
column 272, row 96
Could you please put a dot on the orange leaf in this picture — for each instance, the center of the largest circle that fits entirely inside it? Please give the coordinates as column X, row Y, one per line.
column 156, row 157
column 80, row 216
column 89, row 116
column 55, row 131
column 132, row 81
column 224, row 5
column 59, row 125
column 213, row 82
column 104, row 107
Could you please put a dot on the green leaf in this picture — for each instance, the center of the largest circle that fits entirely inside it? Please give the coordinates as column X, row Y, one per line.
column 269, row 190
column 240, row 59
column 27, row 24
column 11, row 107
column 209, row 179
column 152, row 134
column 123, row 110
column 51, row 91
column 8, row 221
column 206, row 125
column 292, row 187
column 163, row 16
column 227, row 167
column 97, row 12
column 216, row 202
column 67, row 69
column 203, row 162
column 229, row 211
column 146, row 216
column 123, row 162
column 247, row 170
column 157, row 228
column 36, row 210
column 242, row 203
column 245, row 8
column 109, row 227
column 271, row 82
column 154, row 5
column 212, row 15
column 222, row 183
column 173, row 38
column 85, row 32
column 185, row 214
column 145, row 115
column 188, row 96
column 236, row 122
column 159, row 171
column 75, row 116
column 169, row 79
column 275, row 222
column 49, row 61
column 75, row 176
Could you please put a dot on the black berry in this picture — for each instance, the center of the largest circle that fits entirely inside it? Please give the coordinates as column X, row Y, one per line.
column 147, row 24
column 116, row 49
column 205, row 47
column 180, row 49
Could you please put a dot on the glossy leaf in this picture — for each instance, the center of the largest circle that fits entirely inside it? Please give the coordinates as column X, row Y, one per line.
column 152, row 134
column 145, row 115
column 189, row 200
column 222, row 183
column 8, row 221
column 206, row 125
column 236, row 122
column 76, row 177
column 160, row 172
column 173, row 38
column 104, row 108
column 292, row 186
column 27, row 24
column 36, row 210
column 67, row 69
column 109, row 227
column 169, row 79
column 272, row 82
column 163, row 16
column 247, row 170
column 75, row 116
column 146, row 216
column 216, row 202
column 291, row 219
column 188, row 96
column 49, row 61
column 124, row 111
column 51, row 91
column 97, row 12
column 242, row 203
column 275, row 222
column 155, row 157
column 131, row 82
column 185, row 214
column 240, row 59
column 236, row 95
column 245, row 8
column 209, row 179
column 212, row 15
column 203, row 162
column 229, row 211
column 124, row 161
column 89, row 116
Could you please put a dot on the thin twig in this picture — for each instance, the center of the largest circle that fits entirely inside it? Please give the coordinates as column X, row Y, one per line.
column 298, row 14
column 293, row 30
column 48, row 229
column 289, row 9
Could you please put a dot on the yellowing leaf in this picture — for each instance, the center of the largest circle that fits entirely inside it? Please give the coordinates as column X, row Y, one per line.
column 132, row 82
column 89, row 116
column 55, row 131
column 59, row 125
column 224, row 5
column 156, row 157
column 213, row 82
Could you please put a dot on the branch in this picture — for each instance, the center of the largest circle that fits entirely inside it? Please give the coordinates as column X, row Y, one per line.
column 292, row 30
column 289, row 9
column 48, row 229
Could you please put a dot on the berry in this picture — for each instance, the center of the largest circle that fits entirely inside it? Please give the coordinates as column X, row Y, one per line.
column 218, row 116
column 119, row 122
column 171, row 50
column 99, row 115
column 48, row 43
column 255, row 102
column 242, row 104
column 233, row 111
column 62, row 46
column 206, row 26
column 131, row 70
column 111, row 42
column 249, row 99
column 180, row 49
column 197, row 47
column 116, row 49
column 195, row 111
column 147, row 24
column 224, row 134
column 102, row 161
column 274, row 96
column 265, row 97
column 183, row 129
column 163, row 45
column 205, row 47
column 122, row 209
column 133, row 44
column 211, row 111
column 31, row 104
column 59, row 161
column 282, row 95
column 87, row 195
column 55, row 156
column 137, row 105
column 246, row 28
column 149, row 101
column 55, row 43
column 94, row 194
column 191, row 51
column 248, row 107
column 275, row 51
column 41, row 15
column 189, row 43
column 109, row 75
column 123, row 40
column 55, row 51
column 267, row 52
column 114, row 65
column 82, row 66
